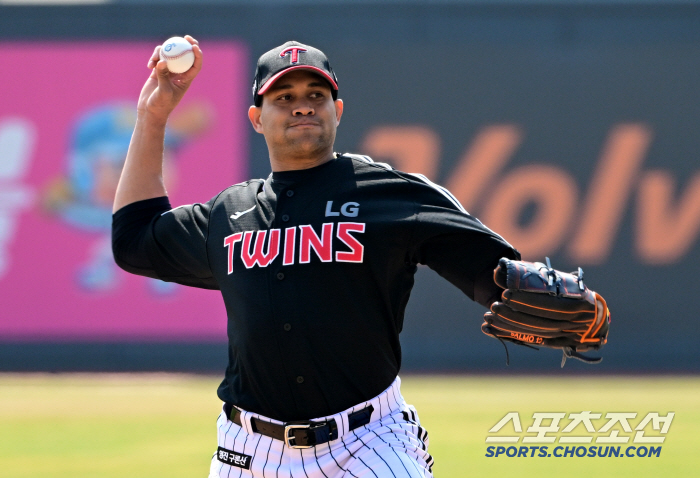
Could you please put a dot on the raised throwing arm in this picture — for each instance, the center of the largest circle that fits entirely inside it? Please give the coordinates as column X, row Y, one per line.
column 142, row 176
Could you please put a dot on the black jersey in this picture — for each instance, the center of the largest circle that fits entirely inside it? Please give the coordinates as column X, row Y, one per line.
column 315, row 267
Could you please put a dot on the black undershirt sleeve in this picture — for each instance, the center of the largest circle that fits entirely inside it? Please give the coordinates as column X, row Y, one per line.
column 486, row 292
column 130, row 226
column 153, row 240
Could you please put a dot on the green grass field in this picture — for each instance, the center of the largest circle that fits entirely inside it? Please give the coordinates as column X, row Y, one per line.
column 104, row 426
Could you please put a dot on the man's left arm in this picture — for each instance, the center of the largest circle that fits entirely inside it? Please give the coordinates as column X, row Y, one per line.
column 458, row 246
column 529, row 303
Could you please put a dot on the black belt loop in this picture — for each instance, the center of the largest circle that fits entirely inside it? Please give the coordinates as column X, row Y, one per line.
column 303, row 434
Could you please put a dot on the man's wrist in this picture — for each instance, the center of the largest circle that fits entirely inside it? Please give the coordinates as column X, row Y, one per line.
column 151, row 119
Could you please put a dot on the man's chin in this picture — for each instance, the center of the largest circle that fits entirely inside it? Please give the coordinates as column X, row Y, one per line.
column 308, row 146
column 304, row 134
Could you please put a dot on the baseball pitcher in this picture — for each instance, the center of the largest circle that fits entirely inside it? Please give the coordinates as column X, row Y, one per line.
column 315, row 264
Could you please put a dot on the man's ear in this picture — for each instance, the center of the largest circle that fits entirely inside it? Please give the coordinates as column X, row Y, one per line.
column 254, row 113
column 338, row 111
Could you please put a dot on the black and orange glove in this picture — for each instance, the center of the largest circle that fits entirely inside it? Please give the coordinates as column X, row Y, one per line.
column 541, row 306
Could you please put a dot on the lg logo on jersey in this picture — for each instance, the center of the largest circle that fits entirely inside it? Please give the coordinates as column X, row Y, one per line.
column 252, row 250
column 349, row 209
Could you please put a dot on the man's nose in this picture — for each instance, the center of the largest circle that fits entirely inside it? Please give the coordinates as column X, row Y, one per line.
column 303, row 110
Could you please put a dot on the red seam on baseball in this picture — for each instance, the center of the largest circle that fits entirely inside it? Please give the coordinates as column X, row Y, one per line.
column 166, row 57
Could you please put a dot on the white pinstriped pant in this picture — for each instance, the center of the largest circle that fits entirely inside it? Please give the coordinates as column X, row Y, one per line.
column 392, row 444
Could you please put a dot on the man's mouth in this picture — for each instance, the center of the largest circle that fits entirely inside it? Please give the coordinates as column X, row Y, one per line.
column 304, row 124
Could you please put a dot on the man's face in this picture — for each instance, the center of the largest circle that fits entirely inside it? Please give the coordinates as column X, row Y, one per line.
column 298, row 116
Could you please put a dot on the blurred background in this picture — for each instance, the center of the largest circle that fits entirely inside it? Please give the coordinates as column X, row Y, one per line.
column 567, row 126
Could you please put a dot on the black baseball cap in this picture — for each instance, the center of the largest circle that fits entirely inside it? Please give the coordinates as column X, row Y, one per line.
column 288, row 57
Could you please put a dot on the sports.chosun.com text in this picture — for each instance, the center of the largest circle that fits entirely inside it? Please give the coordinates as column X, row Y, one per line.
column 573, row 451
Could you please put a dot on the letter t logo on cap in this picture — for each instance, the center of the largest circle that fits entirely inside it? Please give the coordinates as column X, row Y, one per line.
column 295, row 50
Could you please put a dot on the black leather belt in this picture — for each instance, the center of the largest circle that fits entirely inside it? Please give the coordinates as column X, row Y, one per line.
column 301, row 434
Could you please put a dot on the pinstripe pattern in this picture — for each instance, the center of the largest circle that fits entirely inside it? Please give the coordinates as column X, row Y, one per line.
column 392, row 445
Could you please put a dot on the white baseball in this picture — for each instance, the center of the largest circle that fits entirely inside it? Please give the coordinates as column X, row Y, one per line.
column 178, row 54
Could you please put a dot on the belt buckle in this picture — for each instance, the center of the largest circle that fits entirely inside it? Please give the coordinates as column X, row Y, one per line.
column 288, row 438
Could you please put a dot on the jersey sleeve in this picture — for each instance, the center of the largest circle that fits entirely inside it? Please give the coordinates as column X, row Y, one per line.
column 153, row 240
column 456, row 244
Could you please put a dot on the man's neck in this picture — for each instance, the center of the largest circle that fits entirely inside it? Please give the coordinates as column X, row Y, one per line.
column 292, row 164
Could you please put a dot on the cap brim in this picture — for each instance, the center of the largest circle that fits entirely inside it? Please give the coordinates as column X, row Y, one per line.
column 276, row 77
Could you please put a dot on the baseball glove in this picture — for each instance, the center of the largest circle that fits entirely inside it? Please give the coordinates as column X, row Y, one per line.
column 541, row 306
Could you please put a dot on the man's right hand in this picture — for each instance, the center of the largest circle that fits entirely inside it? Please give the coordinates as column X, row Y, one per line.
column 164, row 90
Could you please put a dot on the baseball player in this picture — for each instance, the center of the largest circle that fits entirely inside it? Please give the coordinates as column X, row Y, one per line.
column 315, row 264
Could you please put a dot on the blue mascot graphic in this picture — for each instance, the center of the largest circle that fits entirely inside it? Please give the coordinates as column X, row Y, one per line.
column 83, row 198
